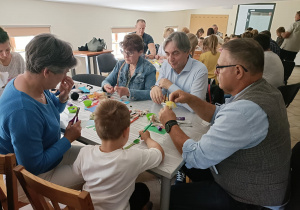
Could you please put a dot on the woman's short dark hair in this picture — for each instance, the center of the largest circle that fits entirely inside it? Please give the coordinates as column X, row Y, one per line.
column 181, row 41
column 47, row 51
column 263, row 40
column 132, row 42
column 210, row 31
column 3, row 36
column 246, row 52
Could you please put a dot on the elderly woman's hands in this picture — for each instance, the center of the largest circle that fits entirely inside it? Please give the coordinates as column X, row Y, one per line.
column 109, row 89
column 73, row 131
column 65, row 87
column 122, row 91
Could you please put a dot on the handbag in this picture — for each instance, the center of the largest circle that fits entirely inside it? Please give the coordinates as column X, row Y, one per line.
column 96, row 45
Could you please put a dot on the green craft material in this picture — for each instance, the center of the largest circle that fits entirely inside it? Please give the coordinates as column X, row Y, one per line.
column 149, row 116
column 72, row 109
column 87, row 103
column 154, row 129
column 136, row 141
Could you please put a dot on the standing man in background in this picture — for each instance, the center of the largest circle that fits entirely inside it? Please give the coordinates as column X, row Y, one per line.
column 291, row 44
column 215, row 27
column 148, row 40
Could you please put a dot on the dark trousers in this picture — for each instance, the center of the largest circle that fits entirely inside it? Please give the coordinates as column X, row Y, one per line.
column 140, row 196
column 204, row 194
column 287, row 55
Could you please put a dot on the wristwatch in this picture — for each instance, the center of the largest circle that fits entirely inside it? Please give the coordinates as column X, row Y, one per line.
column 169, row 125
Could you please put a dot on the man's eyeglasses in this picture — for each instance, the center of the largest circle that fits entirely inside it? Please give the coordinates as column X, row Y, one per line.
column 128, row 53
column 221, row 67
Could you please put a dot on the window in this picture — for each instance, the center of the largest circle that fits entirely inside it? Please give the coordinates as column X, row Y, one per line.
column 117, row 36
column 20, row 36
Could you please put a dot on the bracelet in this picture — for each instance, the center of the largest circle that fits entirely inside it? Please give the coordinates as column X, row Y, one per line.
column 65, row 100
column 154, row 86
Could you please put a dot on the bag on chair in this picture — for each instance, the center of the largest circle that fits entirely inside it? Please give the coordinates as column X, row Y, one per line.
column 96, row 45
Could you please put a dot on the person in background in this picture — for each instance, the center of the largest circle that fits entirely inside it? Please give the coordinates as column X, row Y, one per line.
column 280, row 39
column 193, row 42
column 147, row 39
column 30, row 114
column 185, row 30
column 200, row 33
column 216, row 31
column 10, row 62
column 211, row 31
column 254, row 32
column 161, row 53
column 181, row 72
column 243, row 161
column 111, row 180
column 247, row 34
column 200, row 44
column 134, row 76
column 273, row 45
column 291, row 44
column 210, row 56
column 226, row 39
column 273, row 68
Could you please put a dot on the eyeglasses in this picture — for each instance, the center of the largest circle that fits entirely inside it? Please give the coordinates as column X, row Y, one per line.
column 128, row 53
column 221, row 67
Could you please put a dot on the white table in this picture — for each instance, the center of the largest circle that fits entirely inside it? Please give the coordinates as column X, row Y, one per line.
column 172, row 161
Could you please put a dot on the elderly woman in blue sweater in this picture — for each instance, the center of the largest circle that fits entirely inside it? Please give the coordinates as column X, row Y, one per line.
column 134, row 76
column 30, row 114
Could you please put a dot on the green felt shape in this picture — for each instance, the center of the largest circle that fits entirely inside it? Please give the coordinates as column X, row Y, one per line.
column 72, row 109
column 154, row 129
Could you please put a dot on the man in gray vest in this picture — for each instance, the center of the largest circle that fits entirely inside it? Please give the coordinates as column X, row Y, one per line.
column 243, row 161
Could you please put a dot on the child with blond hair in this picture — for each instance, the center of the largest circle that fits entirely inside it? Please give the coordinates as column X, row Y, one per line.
column 108, row 169
column 210, row 55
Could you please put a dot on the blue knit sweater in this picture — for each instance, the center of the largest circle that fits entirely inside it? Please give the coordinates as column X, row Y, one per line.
column 31, row 129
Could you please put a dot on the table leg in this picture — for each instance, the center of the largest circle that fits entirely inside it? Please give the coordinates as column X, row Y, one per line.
column 95, row 64
column 165, row 193
column 87, row 63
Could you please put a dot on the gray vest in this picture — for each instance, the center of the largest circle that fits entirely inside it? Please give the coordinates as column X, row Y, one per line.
column 260, row 175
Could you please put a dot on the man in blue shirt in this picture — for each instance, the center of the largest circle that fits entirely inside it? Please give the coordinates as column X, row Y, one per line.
column 243, row 161
column 181, row 72
column 148, row 40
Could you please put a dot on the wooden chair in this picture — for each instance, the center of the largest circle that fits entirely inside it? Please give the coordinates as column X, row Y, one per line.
column 38, row 190
column 8, row 192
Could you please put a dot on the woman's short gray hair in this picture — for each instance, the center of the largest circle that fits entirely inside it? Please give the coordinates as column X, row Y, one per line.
column 47, row 51
column 181, row 41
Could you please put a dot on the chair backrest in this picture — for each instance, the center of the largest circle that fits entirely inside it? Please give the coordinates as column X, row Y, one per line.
column 38, row 189
column 92, row 79
column 294, row 202
column 106, row 62
column 8, row 192
column 288, row 67
column 289, row 92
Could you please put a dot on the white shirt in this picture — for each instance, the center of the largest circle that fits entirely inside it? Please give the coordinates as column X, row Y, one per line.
column 293, row 42
column 15, row 67
column 273, row 69
column 192, row 79
column 110, row 177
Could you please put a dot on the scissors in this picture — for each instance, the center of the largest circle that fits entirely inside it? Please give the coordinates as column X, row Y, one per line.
column 75, row 118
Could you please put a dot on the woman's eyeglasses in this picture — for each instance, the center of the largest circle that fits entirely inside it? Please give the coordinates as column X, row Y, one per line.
column 128, row 53
column 221, row 67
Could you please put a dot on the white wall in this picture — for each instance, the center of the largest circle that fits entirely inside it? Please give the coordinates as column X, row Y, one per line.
column 77, row 24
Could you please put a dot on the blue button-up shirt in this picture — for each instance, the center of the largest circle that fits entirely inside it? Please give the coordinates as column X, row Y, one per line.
column 192, row 79
column 235, row 125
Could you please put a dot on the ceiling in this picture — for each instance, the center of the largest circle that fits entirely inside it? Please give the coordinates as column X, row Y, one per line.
column 162, row 5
